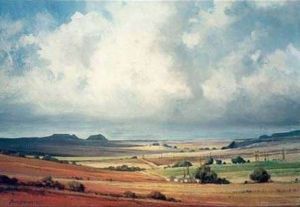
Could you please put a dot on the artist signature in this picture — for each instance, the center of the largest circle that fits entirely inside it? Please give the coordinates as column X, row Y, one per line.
column 26, row 203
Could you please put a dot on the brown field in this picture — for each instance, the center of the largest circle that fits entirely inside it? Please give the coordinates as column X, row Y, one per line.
column 109, row 185
column 26, row 167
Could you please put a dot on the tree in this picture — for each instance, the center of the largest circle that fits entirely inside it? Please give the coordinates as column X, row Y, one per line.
column 238, row 160
column 218, row 162
column 206, row 175
column 260, row 175
column 183, row 163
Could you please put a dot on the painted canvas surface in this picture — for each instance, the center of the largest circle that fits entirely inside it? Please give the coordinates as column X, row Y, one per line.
column 149, row 103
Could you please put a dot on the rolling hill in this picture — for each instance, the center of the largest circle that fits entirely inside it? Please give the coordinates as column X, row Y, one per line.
column 276, row 137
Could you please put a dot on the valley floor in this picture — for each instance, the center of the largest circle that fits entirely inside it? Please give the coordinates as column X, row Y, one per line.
column 105, row 188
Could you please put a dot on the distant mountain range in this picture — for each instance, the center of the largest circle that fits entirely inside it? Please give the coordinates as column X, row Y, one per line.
column 282, row 136
column 59, row 138
column 57, row 144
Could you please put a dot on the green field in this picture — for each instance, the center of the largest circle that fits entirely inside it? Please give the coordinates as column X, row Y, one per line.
column 279, row 170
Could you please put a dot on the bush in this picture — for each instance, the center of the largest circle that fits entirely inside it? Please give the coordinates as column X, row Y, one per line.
column 219, row 162
column 206, row 175
column 7, row 180
column 50, row 183
column 222, row 181
column 36, row 157
column 129, row 194
column 260, row 175
column 157, row 195
column 209, row 161
column 183, row 163
column 238, row 160
column 76, row 186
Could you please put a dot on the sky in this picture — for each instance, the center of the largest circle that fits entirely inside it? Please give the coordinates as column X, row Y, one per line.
column 161, row 69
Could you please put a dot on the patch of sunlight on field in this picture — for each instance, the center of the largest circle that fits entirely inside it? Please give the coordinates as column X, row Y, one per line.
column 150, row 148
column 98, row 158
column 108, row 163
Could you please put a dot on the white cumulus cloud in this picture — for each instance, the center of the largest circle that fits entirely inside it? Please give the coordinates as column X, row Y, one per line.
column 102, row 68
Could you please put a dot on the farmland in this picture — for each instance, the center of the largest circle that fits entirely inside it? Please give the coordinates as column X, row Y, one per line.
column 238, row 173
column 106, row 187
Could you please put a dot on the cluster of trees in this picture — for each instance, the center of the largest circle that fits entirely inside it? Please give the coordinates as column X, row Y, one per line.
column 125, row 168
column 8, row 181
column 36, row 156
column 152, row 195
column 206, row 175
column 53, row 159
column 13, row 153
column 160, row 196
column 235, row 160
column 46, row 182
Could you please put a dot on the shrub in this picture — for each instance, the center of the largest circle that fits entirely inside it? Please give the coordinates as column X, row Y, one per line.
column 206, row 175
column 36, row 157
column 222, row 181
column 238, row 160
column 129, row 194
column 218, row 162
column 76, row 186
column 7, row 180
column 183, row 163
column 209, row 161
column 157, row 195
column 260, row 175
column 50, row 183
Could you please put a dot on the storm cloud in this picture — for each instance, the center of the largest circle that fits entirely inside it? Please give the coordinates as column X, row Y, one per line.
column 151, row 67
